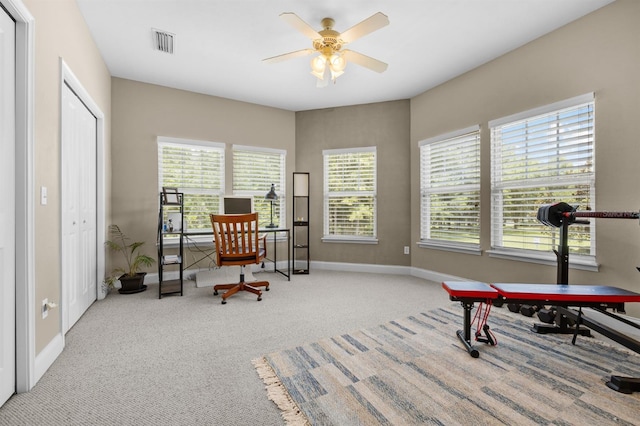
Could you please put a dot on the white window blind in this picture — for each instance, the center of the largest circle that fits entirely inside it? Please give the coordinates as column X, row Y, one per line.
column 542, row 157
column 254, row 170
column 197, row 169
column 350, row 193
column 450, row 189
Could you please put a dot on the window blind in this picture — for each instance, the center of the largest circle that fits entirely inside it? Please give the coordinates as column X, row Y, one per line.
column 450, row 189
column 197, row 170
column 350, row 193
column 254, row 170
column 538, row 160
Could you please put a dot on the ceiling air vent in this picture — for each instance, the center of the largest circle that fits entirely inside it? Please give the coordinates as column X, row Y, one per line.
column 163, row 41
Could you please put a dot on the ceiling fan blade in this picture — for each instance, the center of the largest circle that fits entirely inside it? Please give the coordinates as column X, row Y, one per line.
column 297, row 23
column 290, row 55
column 364, row 61
column 369, row 25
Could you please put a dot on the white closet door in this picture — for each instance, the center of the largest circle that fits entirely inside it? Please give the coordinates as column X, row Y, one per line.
column 79, row 255
column 7, row 205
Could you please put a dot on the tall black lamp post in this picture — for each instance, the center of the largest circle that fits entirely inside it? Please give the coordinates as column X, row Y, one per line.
column 271, row 196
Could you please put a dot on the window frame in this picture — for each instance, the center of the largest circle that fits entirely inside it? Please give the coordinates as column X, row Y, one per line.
column 333, row 238
column 196, row 144
column 448, row 139
column 498, row 250
column 280, row 205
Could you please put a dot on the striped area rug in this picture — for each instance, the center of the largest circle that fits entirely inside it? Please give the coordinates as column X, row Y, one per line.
column 415, row 371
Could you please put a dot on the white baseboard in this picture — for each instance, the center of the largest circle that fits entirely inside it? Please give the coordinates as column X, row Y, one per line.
column 47, row 356
column 435, row 276
column 386, row 269
column 333, row 266
column 361, row 267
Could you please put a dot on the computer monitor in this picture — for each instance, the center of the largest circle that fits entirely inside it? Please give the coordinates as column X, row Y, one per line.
column 238, row 205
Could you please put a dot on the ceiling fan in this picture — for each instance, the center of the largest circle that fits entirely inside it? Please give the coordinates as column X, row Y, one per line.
column 332, row 58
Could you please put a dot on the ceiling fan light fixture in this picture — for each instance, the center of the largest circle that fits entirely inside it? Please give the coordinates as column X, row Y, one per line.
column 318, row 65
column 338, row 63
column 328, row 44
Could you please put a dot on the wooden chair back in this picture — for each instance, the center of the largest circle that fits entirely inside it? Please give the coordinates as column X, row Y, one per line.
column 236, row 239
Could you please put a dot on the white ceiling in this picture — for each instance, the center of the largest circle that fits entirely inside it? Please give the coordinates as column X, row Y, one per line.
column 220, row 44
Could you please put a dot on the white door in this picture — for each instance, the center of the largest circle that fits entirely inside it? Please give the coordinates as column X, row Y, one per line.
column 79, row 223
column 7, row 206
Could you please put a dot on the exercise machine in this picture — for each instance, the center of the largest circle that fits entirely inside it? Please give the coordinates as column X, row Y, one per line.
column 565, row 297
column 561, row 215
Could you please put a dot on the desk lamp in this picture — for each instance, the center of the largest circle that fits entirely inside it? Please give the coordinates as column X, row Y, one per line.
column 271, row 196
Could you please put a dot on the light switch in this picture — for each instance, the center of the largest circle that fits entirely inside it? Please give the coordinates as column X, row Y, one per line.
column 43, row 195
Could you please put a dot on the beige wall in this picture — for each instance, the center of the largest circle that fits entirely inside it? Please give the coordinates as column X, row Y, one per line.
column 383, row 125
column 60, row 32
column 598, row 53
column 142, row 112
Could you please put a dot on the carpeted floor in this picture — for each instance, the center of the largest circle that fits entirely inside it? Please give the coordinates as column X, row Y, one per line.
column 137, row 360
column 415, row 371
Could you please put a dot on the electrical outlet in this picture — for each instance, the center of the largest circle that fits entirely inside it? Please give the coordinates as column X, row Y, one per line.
column 406, row 249
column 45, row 308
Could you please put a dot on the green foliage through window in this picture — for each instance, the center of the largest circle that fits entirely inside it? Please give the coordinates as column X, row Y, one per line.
column 350, row 193
column 543, row 159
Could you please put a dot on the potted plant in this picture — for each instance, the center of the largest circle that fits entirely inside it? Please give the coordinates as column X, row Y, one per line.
column 131, row 278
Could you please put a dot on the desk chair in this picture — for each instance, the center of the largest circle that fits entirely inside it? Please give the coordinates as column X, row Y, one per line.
column 238, row 243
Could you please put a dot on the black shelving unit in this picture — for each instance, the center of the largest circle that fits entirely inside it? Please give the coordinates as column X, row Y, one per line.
column 300, row 234
column 170, row 228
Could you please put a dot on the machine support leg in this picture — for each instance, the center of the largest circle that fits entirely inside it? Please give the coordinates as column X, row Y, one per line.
column 465, row 335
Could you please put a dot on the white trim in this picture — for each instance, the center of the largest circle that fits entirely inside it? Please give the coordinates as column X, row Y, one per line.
column 545, row 109
column 348, row 150
column 48, row 355
column 69, row 78
column 25, row 216
column 457, row 248
column 450, row 135
column 182, row 141
column 349, row 240
column 259, row 149
column 386, row 269
column 435, row 276
column 585, row 263
column 361, row 267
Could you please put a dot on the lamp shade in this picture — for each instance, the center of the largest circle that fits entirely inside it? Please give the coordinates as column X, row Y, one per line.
column 318, row 66
column 271, row 195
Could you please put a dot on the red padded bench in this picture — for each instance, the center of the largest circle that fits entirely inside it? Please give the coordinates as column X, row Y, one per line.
column 562, row 296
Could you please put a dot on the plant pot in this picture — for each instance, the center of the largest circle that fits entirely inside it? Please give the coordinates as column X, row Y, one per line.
column 132, row 284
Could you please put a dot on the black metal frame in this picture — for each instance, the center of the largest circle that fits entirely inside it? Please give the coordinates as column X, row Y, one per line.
column 465, row 334
column 618, row 383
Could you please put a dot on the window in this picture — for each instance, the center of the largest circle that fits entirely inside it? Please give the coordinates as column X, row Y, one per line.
column 450, row 190
column 254, row 170
column 541, row 157
column 350, row 194
column 196, row 168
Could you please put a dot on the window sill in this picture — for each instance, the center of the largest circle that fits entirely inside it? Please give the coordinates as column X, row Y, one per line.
column 457, row 248
column 585, row 263
column 350, row 240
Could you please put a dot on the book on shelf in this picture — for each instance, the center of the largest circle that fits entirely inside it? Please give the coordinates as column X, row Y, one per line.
column 171, row 258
